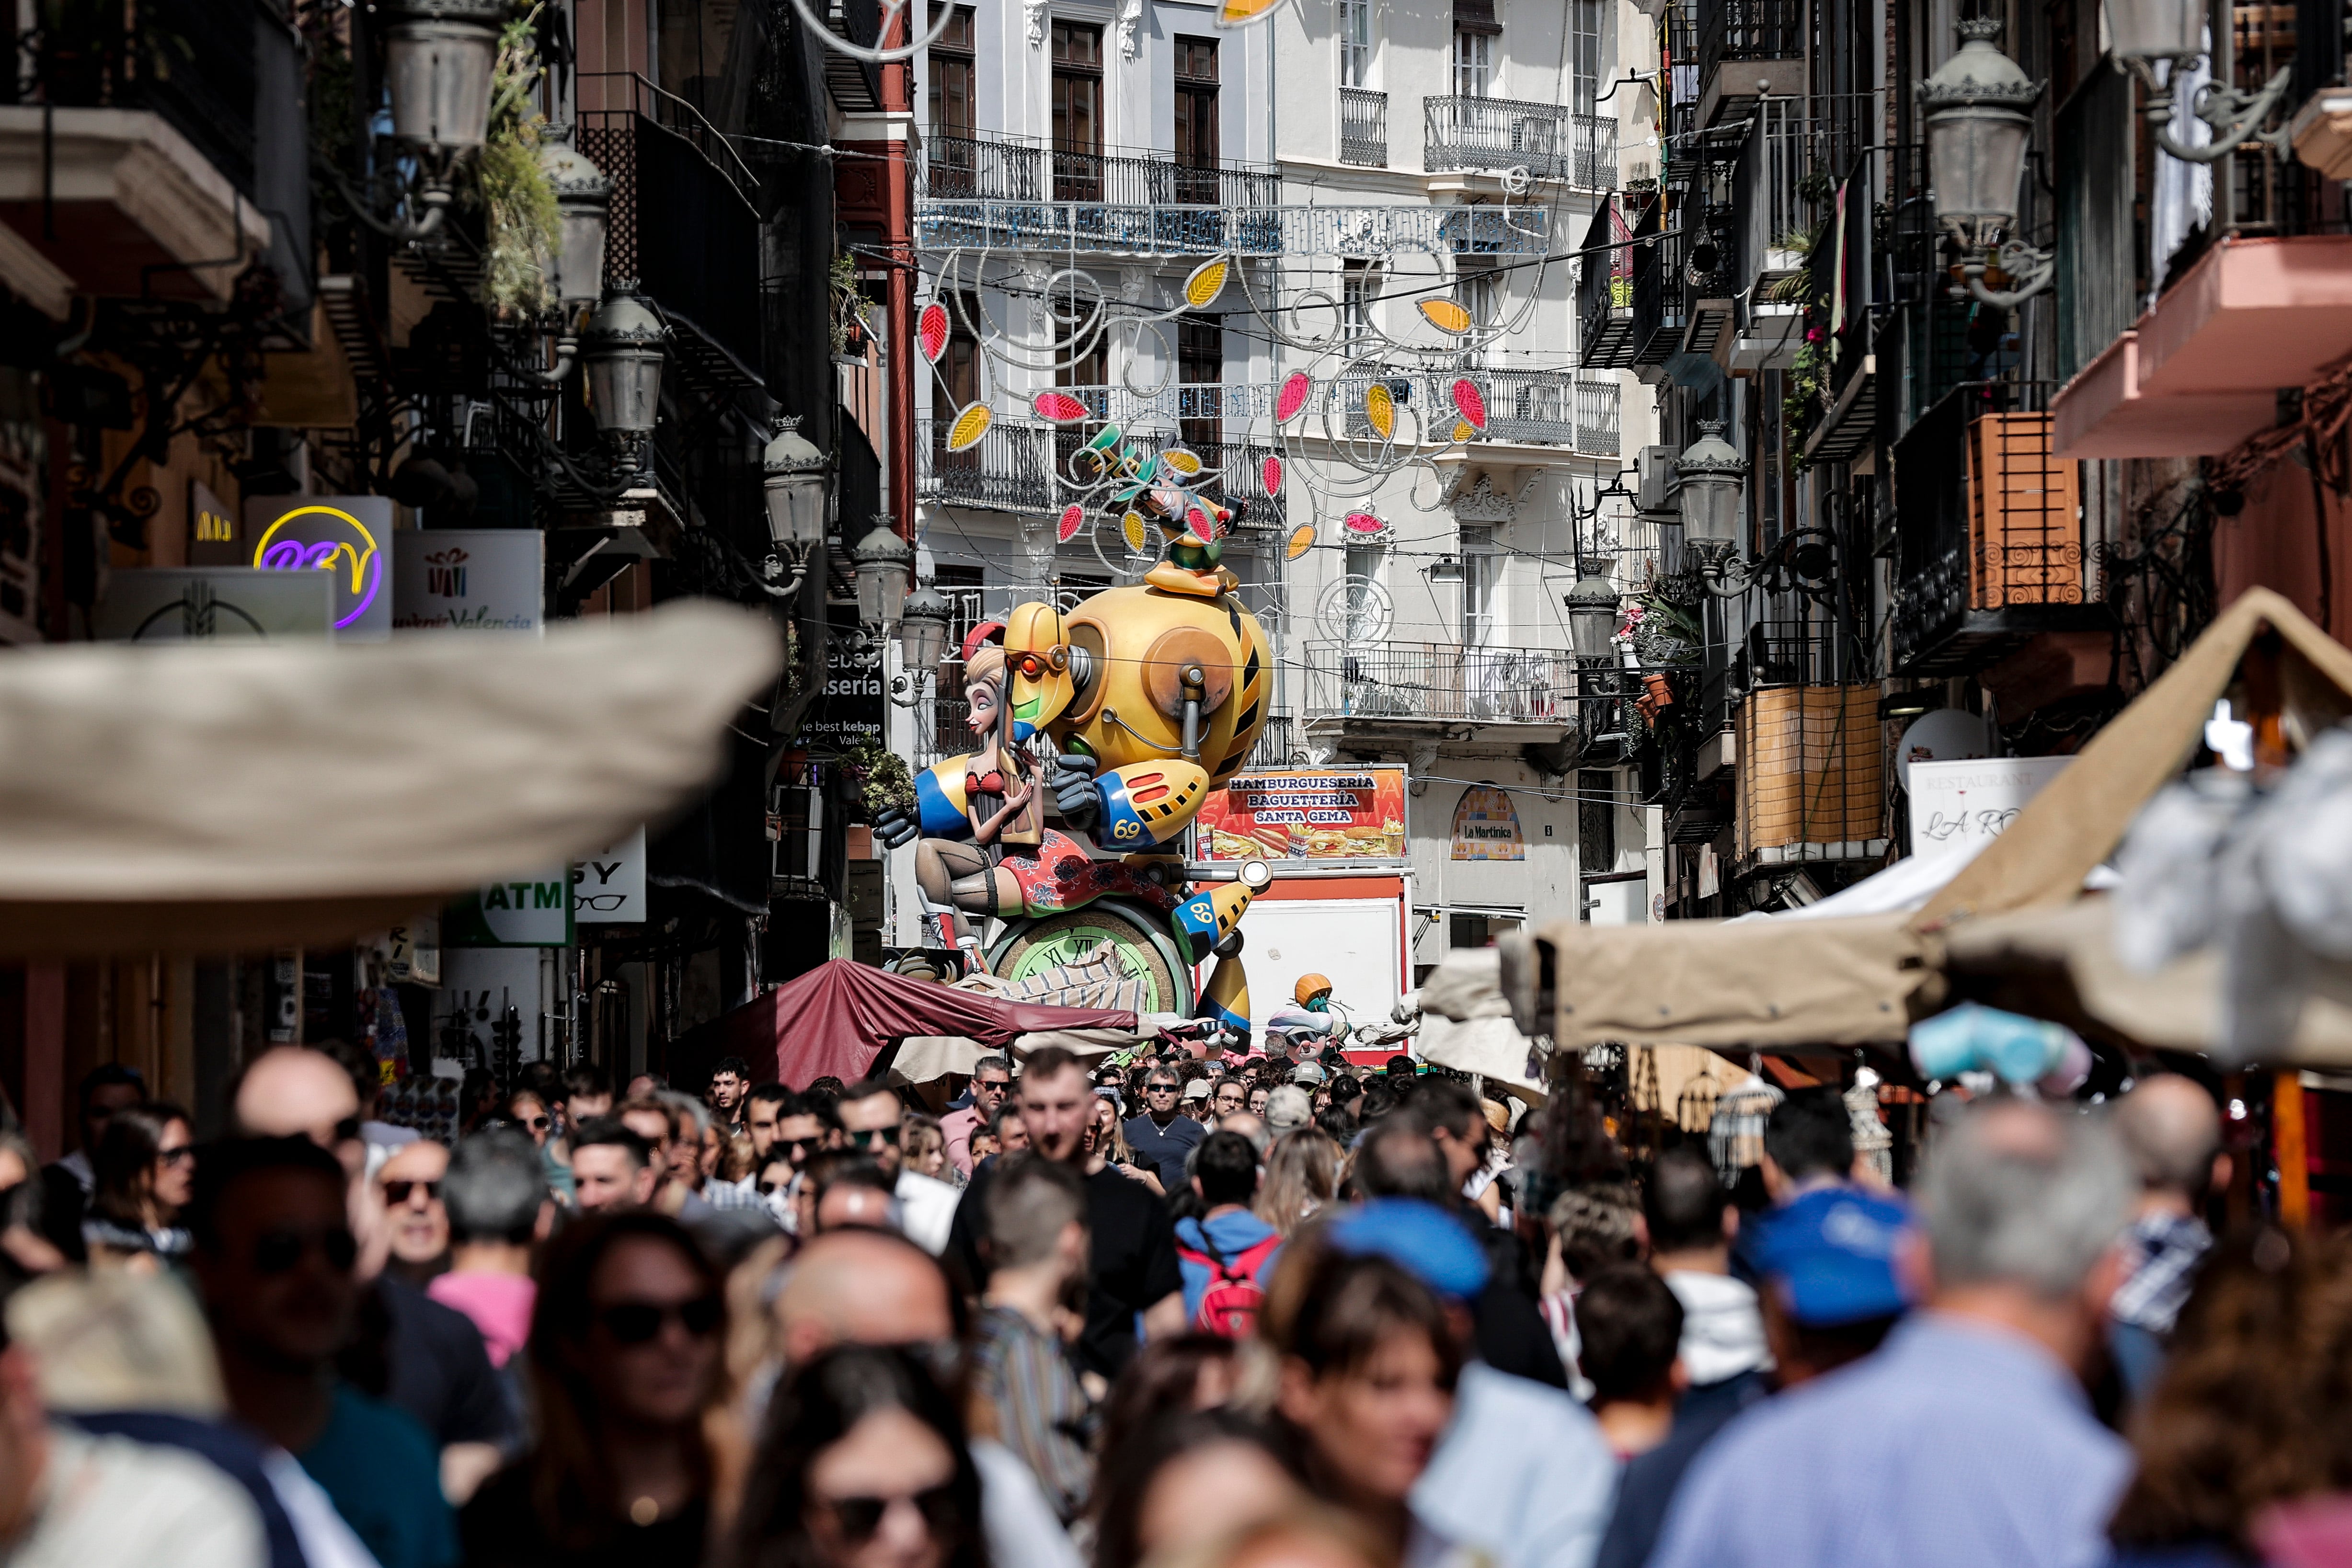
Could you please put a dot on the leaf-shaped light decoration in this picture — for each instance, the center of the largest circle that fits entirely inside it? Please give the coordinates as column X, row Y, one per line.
column 1131, row 524
column 1292, row 398
column 1234, row 13
column 1200, row 525
column 1271, row 473
column 1471, row 402
column 1060, row 408
column 1464, row 429
column 1066, row 529
column 1208, row 281
column 932, row 330
column 1446, row 316
column 1363, row 523
column 970, row 426
column 1301, row 540
column 1181, row 460
column 1380, row 407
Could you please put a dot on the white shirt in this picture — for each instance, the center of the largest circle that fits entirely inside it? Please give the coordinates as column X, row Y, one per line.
column 1019, row 1523
column 109, row 1503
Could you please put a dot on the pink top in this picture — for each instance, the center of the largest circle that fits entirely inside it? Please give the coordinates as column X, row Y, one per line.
column 500, row 1305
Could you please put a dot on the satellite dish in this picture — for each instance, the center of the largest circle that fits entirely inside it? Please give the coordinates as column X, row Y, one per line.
column 1355, row 610
column 1942, row 734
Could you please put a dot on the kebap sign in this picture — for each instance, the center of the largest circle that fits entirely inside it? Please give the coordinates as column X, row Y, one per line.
column 1354, row 815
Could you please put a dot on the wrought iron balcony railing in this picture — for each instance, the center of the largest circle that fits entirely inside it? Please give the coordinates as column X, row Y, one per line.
column 1547, row 408
column 1605, row 290
column 1175, row 231
column 1363, row 127
column 1019, row 466
column 1501, row 134
column 1005, row 168
column 1732, row 30
column 1439, row 683
column 1785, row 187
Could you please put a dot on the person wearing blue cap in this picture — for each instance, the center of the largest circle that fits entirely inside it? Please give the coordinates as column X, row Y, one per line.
column 1967, row 1438
column 1523, row 1474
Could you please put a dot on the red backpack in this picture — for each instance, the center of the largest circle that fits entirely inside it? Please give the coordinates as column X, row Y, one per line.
column 1229, row 1306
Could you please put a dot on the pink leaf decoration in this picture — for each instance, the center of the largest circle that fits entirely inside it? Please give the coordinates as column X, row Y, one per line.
column 1059, row 407
column 1292, row 398
column 1197, row 522
column 1072, row 516
column 934, row 331
column 1273, row 475
column 1362, row 523
column 1467, row 398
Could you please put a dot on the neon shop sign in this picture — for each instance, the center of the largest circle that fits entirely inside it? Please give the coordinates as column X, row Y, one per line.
column 353, row 559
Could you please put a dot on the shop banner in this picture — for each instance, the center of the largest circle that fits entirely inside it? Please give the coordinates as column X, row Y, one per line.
column 1486, row 826
column 1958, row 808
column 1334, row 815
column 175, row 603
column 348, row 537
column 608, row 888
column 532, row 911
column 468, row 580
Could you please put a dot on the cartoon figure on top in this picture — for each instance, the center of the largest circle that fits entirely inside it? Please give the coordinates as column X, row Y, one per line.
column 1097, row 736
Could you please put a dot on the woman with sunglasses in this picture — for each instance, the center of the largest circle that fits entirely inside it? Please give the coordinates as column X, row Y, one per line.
column 527, row 1111
column 627, row 1383
column 146, row 1167
column 864, row 1466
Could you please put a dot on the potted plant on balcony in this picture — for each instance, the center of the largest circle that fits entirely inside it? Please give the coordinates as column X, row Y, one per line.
column 521, row 223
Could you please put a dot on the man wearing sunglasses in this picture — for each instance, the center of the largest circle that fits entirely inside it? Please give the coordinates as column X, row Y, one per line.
column 992, row 1080
column 414, row 1218
column 274, row 1263
column 870, row 1114
column 1163, row 1136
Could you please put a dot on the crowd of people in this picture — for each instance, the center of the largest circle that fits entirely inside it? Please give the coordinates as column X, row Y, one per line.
column 1063, row 1314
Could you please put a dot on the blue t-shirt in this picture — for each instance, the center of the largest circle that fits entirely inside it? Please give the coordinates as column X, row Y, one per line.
column 1233, row 1235
column 380, row 1469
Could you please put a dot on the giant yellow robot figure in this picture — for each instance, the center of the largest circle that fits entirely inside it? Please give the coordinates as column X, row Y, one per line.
column 1129, row 709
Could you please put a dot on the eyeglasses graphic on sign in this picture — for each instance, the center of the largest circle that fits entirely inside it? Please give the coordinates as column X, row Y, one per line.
column 339, row 543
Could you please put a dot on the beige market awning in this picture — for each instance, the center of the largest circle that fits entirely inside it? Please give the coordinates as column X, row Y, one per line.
column 226, row 797
column 1769, row 984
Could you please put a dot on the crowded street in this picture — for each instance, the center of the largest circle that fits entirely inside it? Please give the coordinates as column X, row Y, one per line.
column 1176, row 784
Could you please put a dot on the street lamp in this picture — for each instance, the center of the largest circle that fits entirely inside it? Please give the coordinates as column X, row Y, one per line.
column 1712, row 472
column 437, row 58
column 883, row 563
column 583, row 199
column 2140, row 33
column 922, row 640
column 1979, row 112
column 1592, row 616
column 794, row 486
column 621, row 353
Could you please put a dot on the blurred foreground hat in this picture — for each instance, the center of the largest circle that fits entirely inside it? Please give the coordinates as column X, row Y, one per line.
column 1289, row 1107
column 1832, row 1255
column 117, row 1341
column 1420, row 1238
column 1307, row 1072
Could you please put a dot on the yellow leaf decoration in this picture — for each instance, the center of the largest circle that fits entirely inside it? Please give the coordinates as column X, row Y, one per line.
column 1446, row 316
column 1380, row 407
column 1234, row 13
column 969, row 427
column 1131, row 524
column 1208, row 281
column 1302, row 540
column 1464, row 429
column 1181, row 461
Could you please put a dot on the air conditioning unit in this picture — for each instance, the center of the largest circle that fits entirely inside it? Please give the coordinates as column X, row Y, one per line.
column 1656, row 467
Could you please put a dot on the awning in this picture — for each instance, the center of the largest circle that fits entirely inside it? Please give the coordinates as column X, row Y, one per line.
column 837, row 1020
column 228, row 797
column 1784, row 984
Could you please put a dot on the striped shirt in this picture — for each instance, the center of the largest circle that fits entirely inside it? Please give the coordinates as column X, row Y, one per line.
column 1042, row 1413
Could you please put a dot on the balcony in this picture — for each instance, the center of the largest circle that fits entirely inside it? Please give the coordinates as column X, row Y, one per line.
column 1364, row 126
column 1748, row 49
column 1418, row 687
column 1146, row 231
column 1464, row 134
column 1783, row 197
column 1018, row 467
column 1604, row 293
column 1007, row 169
column 1989, row 535
column 149, row 148
column 1540, row 408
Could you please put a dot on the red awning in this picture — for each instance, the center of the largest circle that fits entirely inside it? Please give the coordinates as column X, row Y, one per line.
column 835, row 1019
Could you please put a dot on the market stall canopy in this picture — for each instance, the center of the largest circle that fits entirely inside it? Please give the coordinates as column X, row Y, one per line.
column 1778, row 985
column 223, row 797
column 837, row 1020
column 1465, row 1024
